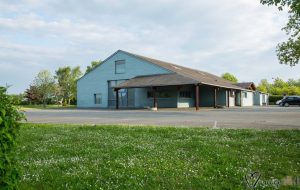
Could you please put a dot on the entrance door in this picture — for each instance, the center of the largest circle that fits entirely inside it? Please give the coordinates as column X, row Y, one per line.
column 238, row 96
column 123, row 94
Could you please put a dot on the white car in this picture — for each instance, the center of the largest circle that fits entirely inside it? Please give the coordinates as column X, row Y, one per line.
column 278, row 102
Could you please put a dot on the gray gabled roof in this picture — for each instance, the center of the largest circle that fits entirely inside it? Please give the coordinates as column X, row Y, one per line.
column 183, row 75
column 194, row 76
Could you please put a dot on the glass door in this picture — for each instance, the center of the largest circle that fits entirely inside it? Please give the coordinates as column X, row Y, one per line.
column 123, row 94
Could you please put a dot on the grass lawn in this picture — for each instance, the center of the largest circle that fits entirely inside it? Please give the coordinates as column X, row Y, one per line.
column 25, row 107
column 120, row 157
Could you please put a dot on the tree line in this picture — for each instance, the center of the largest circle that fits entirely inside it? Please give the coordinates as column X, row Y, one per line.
column 277, row 87
column 59, row 88
column 280, row 87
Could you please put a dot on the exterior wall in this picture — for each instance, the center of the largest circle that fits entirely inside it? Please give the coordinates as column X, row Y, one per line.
column 266, row 102
column 170, row 102
column 141, row 100
column 260, row 98
column 247, row 101
column 257, row 98
column 206, row 94
column 96, row 80
column 221, row 97
column 187, row 102
column 232, row 99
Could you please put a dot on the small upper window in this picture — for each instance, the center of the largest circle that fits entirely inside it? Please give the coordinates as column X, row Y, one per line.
column 97, row 98
column 120, row 66
column 245, row 94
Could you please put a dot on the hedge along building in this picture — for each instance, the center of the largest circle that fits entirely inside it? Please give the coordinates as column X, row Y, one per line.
column 128, row 80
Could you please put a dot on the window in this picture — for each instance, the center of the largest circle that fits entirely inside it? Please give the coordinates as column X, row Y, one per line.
column 159, row 94
column 149, row 94
column 185, row 94
column 245, row 94
column 120, row 67
column 97, row 98
column 231, row 93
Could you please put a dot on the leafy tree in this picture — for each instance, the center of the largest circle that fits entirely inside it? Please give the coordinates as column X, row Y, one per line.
column 75, row 75
column 17, row 99
column 32, row 95
column 66, row 78
column 292, row 82
column 9, row 126
column 289, row 52
column 264, row 86
column 229, row 77
column 280, row 87
column 279, row 83
column 45, row 85
column 92, row 66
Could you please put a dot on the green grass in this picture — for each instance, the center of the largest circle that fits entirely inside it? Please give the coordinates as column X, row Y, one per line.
column 25, row 107
column 120, row 157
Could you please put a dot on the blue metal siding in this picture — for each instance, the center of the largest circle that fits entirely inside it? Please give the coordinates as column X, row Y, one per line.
column 221, row 97
column 96, row 80
column 170, row 102
column 206, row 96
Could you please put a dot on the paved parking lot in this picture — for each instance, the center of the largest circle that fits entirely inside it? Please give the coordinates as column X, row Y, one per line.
column 255, row 117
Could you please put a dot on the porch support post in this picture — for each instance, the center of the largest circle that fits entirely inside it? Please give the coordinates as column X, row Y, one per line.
column 241, row 99
column 154, row 98
column 228, row 100
column 215, row 97
column 117, row 98
column 197, row 97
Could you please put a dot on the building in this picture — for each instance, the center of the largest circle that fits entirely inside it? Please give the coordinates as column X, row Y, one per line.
column 126, row 80
column 253, row 97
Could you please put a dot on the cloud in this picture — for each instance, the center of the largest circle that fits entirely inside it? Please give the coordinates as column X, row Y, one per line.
column 215, row 36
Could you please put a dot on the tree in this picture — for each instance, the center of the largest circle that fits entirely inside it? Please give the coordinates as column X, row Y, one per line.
column 10, row 118
column 67, row 78
column 17, row 99
column 92, row 66
column 289, row 52
column 229, row 77
column 32, row 95
column 263, row 86
column 45, row 85
column 75, row 75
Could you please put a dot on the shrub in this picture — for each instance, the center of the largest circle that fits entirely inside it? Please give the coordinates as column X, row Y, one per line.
column 274, row 98
column 9, row 125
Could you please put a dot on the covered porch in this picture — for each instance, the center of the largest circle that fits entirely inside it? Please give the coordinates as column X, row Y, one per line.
column 176, row 91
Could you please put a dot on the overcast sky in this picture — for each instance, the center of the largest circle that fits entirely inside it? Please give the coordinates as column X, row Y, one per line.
column 216, row 36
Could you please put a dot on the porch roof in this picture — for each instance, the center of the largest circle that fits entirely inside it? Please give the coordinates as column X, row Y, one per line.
column 171, row 79
column 156, row 80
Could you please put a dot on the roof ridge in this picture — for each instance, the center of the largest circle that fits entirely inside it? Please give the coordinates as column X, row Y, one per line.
column 167, row 65
column 173, row 64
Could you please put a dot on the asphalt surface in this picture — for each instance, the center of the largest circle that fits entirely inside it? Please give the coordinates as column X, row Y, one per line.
column 254, row 117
